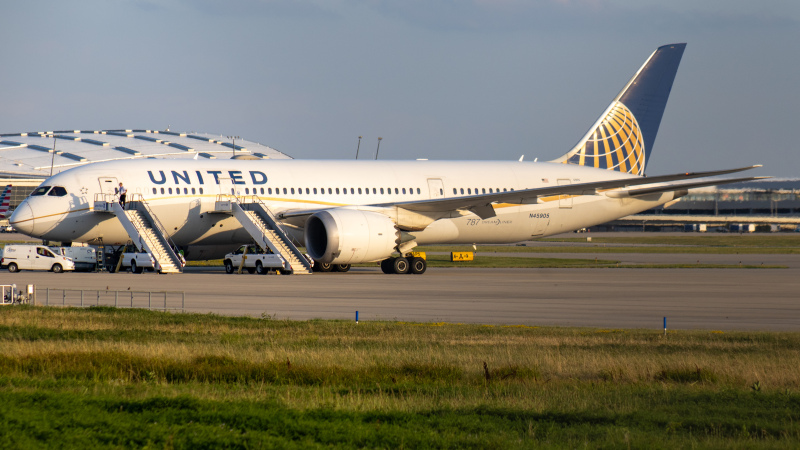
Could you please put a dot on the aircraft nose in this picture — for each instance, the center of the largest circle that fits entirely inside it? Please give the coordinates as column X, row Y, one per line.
column 22, row 219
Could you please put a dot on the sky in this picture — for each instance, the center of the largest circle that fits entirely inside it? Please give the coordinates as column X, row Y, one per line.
column 437, row 79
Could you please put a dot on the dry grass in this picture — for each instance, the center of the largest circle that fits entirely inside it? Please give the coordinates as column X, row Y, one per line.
column 548, row 354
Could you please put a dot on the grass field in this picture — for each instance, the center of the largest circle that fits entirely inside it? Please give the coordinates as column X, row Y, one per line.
column 128, row 378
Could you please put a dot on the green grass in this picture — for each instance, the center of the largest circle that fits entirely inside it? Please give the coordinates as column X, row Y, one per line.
column 103, row 377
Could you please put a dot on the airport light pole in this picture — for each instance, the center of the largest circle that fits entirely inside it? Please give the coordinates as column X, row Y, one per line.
column 53, row 159
column 233, row 138
column 359, row 146
column 379, row 147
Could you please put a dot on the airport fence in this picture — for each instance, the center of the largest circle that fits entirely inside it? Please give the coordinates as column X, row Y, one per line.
column 84, row 298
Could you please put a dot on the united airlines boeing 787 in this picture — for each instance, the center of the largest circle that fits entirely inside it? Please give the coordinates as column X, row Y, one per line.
column 348, row 212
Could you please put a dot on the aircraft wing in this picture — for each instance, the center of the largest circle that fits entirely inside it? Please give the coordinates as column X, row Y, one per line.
column 481, row 205
column 621, row 193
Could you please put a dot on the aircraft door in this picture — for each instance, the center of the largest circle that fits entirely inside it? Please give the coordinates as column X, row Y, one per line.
column 564, row 201
column 226, row 186
column 109, row 187
column 436, row 187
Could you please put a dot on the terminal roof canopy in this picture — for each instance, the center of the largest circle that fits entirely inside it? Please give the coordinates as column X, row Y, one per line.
column 31, row 154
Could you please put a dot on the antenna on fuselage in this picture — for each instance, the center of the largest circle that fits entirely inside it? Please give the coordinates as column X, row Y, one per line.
column 359, row 146
column 521, row 158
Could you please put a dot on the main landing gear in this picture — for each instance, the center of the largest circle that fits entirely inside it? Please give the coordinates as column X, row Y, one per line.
column 401, row 265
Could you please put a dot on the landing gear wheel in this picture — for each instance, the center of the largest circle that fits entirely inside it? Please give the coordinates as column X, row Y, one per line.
column 57, row 268
column 418, row 265
column 322, row 267
column 260, row 268
column 228, row 266
column 341, row 267
column 13, row 268
column 387, row 265
column 400, row 265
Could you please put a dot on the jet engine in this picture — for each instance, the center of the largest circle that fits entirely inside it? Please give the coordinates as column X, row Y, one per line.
column 347, row 236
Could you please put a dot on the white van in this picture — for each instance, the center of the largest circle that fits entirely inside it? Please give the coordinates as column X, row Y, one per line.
column 85, row 258
column 34, row 257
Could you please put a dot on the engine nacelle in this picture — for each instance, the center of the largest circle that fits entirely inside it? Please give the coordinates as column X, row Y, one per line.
column 347, row 236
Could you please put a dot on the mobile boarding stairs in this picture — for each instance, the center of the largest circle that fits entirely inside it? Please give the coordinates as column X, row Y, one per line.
column 145, row 230
column 149, row 235
column 265, row 230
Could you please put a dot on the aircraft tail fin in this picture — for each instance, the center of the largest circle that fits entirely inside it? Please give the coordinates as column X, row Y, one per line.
column 5, row 201
column 622, row 138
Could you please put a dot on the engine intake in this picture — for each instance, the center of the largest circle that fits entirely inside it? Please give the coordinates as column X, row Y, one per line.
column 347, row 236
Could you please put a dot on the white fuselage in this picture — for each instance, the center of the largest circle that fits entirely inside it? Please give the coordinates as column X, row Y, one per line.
column 182, row 194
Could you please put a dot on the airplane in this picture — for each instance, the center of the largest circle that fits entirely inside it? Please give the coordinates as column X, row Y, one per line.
column 5, row 201
column 357, row 211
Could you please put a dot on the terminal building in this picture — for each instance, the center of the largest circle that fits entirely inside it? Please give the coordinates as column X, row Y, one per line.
column 26, row 159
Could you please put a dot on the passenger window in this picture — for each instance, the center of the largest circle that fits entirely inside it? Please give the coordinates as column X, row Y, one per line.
column 337, row 190
column 396, row 190
column 455, row 191
column 330, row 191
column 353, row 191
column 359, row 190
column 442, row 190
column 292, row 191
column 201, row 191
column 193, row 191
column 162, row 190
column 308, row 191
column 170, row 190
column 381, row 190
column 404, row 190
column 284, row 191
column 315, row 190
column 483, row 191
column 40, row 191
column 155, row 191
column 374, row 190
column 186, row 191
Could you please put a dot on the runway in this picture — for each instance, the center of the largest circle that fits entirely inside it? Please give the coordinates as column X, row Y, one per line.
column 713, row 299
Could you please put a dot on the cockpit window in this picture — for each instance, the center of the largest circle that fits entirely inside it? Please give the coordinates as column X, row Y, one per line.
column 58, row 191
column 40, row 190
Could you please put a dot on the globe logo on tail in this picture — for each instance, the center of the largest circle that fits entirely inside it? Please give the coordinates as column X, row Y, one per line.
column 615, row 144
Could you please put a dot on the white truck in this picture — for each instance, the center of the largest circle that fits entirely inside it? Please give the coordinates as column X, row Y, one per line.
column 134, row 260
column 34, row 257
column 255, row 261
column 85, row 258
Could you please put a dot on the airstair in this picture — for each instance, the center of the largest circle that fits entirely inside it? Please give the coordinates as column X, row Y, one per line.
column 262, row 226
column 145, row 230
